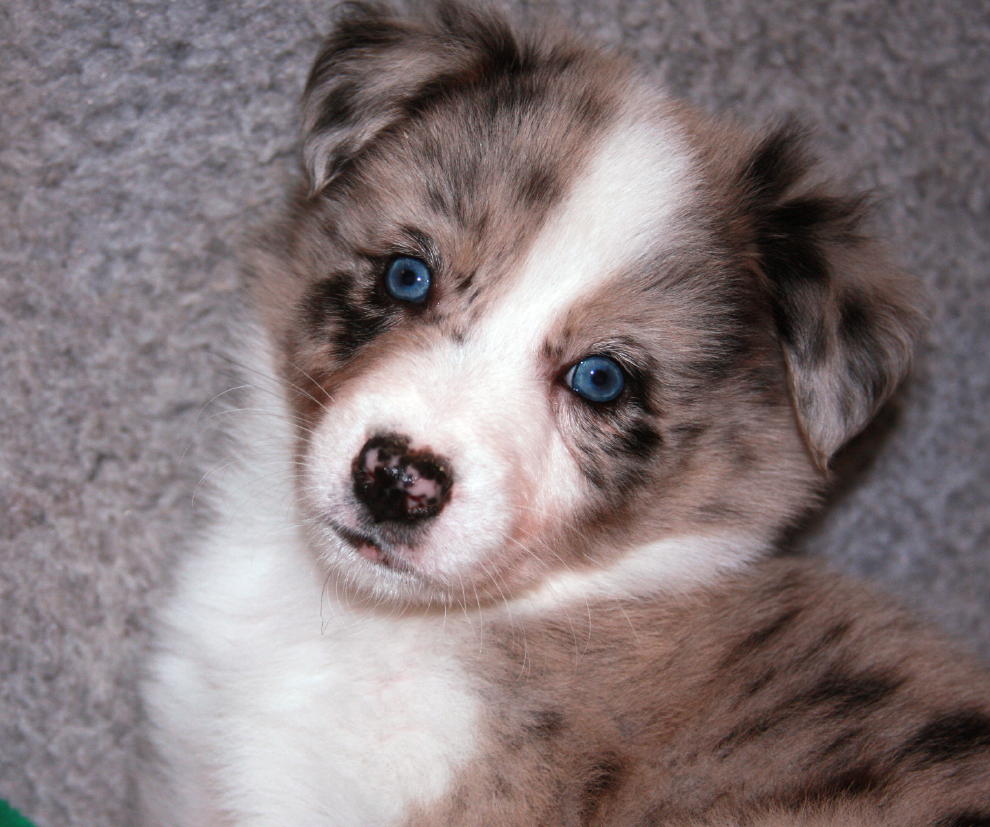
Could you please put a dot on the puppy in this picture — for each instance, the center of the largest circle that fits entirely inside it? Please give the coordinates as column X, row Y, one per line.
column 557, row 360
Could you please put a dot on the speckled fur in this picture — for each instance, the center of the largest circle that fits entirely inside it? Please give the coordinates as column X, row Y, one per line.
column 759, row 329
column 785, row 696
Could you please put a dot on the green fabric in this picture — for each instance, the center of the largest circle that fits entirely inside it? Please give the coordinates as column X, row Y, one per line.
column 9, row 817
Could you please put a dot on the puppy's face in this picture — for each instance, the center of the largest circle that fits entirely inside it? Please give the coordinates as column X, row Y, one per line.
column 536, row 320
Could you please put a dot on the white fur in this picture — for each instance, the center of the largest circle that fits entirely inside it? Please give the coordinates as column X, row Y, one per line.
column 274, row 701
column 672, row 565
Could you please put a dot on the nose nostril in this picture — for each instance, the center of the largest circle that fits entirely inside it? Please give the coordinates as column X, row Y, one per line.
column 397, row 483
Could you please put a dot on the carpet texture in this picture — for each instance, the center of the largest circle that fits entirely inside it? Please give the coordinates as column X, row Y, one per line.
column 138, row 142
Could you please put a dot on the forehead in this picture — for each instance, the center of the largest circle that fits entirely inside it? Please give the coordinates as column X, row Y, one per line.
column 623, row 208
column 547, row 184
column 506, row 140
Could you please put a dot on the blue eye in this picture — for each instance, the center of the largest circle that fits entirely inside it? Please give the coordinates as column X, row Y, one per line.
column 408, row 280
column 596, row 378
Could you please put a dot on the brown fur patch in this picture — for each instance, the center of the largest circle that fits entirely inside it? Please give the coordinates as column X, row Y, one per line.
column 653, row 686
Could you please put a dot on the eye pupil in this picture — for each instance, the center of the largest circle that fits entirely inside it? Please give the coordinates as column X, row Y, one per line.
column 408, row 280
column 597, row 379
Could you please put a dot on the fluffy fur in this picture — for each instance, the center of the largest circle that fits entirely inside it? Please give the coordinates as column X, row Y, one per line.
column 592, row 629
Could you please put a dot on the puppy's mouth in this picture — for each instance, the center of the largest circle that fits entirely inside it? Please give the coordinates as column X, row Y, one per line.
column 369, row 548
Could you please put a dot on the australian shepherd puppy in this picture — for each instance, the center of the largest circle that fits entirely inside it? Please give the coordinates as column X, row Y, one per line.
column 557, row 360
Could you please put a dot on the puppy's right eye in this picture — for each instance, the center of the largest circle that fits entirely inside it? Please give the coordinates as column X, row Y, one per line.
column 408, row 280
column 596, row 378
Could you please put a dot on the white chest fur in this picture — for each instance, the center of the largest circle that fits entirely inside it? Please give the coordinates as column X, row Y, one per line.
column 271, row 708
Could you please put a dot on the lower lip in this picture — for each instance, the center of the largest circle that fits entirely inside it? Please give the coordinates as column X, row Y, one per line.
column 370, row 552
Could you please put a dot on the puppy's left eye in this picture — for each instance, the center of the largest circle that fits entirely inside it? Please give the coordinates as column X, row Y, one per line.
column 596, row 378
column 408, row 280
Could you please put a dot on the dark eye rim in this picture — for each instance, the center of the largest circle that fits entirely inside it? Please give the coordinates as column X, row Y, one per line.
column 407, row 302
column 567, row 375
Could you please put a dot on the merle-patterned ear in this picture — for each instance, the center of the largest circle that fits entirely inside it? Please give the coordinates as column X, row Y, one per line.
column 375, row 68
column 847, row 319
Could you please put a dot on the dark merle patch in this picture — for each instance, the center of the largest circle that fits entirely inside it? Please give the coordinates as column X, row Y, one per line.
column 813, row 217
column 813, row 347
column 778, row 163
column 545, row 723
column 500, row 71
column 763, row 382
column 602, row 779
column 640, row 440
column 859, row 332
column 743, row 456
column 792, row 236
column 965, row 818
column 360, row 32
column 501, row 785
column 329, row 311
column 745, row 732
column 540, row 185
column 437, row 200
column 844, row 693
column 759, row 683
column 848, row 693
column 727, row 347
column 338, row 107
column 760, row 637
column 617, row 457
column 949, row 737
column 855, row 326
column 834, row 633
column 465, row 283
column 431, row 94
column 510, row 96
column 503, row 52
column 840, row 742
column 480, row 221
column 552, row 352
column 798, row 269
column 592, row 110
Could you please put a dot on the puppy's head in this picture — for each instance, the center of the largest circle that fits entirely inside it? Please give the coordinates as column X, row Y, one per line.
column 538, row 322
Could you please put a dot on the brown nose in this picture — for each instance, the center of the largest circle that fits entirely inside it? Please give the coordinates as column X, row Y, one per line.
column 398, row 484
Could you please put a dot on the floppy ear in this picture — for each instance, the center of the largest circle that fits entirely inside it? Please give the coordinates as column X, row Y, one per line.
column 846, row 318
column 376, row 68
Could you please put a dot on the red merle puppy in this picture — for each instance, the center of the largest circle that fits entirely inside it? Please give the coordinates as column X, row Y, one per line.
column 559, row 359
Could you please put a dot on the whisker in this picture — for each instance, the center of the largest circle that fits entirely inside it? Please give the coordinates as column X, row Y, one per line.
column 285, row 382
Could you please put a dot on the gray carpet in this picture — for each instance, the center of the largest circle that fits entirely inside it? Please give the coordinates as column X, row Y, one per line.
column 139, row 140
